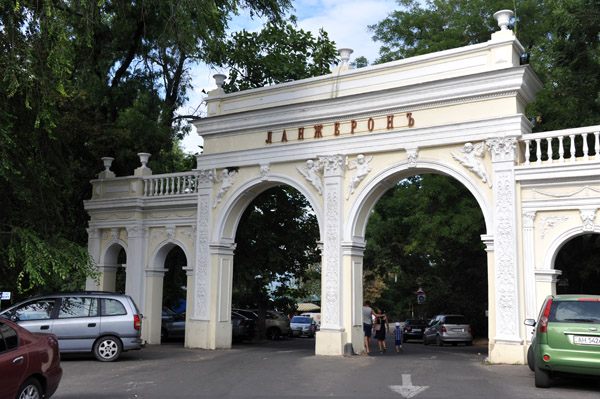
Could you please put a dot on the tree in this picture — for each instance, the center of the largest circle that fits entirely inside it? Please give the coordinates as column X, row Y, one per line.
column 82, row 80
column 279, row 53
column 425, row 232
column 561, row 41
column 276, row 246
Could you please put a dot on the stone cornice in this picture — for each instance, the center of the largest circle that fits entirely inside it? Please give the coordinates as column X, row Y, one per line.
column 511, row 82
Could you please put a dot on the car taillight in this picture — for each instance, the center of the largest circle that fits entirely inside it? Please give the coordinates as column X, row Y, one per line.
column 544, row 318
column 242, row 323
column 469, row 330
column 588, row 300
column 443, row 329
column 137, row 323
column 407, row 329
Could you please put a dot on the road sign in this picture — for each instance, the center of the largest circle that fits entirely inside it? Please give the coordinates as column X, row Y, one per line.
column 420, row 298
column 5, row 296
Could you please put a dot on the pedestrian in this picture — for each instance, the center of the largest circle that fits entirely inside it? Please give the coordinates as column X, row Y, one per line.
column 381, row 326
column 398, row 338
column 367, row 315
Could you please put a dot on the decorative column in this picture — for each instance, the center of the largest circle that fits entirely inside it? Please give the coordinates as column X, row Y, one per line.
column 507, row 335
column 154, row 293
column 135, row 280
column 221, row 268
column 352, row 298
column 94, row 247
column 331, row 338
column 529, row 268
column 198, row 301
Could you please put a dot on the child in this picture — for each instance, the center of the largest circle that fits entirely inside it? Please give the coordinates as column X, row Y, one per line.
column 398, row 337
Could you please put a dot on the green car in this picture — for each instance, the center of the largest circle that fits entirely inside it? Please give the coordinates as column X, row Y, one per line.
column 566, row 338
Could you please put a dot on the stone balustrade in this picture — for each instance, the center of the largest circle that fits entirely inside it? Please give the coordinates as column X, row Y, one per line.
column 170, row 184
column 562, row 146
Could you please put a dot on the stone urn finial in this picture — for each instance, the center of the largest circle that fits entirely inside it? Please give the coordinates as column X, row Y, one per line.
column 107, row 163
column 219, row 80
column 345, row 55
column 144, row 157
column 503, row 17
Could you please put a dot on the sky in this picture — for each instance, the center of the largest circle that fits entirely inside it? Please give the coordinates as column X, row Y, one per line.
column 345, row 21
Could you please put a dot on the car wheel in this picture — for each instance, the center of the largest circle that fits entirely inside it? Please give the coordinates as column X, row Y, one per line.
column 542, row 378
column 438, row 341
column 273, row 333
column 31, row 389
column 530, row 358
column 107, row 349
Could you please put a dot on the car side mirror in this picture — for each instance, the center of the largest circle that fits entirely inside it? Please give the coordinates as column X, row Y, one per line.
column 530, row 322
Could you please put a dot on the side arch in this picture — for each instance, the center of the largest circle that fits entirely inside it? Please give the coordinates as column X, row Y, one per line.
column 232, row 210
column 560, row 241
column 364, row 203
column 110, row 252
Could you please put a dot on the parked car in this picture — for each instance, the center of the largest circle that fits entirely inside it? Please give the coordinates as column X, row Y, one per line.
column 29, row 363
column 413, row 329
column 172, row 325
column 242, row 327
column 99, row 322
column 276, row 324
column 302, row 326
column 449, row 328
column 566, row 338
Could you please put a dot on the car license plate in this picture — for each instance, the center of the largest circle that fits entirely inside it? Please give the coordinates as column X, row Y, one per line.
column 579, row 340
column 458, row 329
column 416, row 329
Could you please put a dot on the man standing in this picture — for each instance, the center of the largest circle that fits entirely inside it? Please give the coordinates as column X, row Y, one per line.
column 368, row 324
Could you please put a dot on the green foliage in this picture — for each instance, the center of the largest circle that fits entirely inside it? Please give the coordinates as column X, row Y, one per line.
column 278, row 53
column 82, row 80
column 426, row 232
column 45, row 265
column 561, row 40
column 276, row 247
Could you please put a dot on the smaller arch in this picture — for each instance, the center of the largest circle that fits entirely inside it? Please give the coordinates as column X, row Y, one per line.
column 364, row 203
column 232, row 210
column 159, row 255
column 110, row 252
column 560, row 241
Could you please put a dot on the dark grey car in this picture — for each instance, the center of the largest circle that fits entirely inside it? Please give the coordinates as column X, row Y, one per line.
column 103, row 323
column 448, row 328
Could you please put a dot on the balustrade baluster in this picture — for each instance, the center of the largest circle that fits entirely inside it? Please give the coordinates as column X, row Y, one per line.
column 549, row 149
column 538, row 151
column 527, row 152
column 596, row 145
column 572, row 147
column 585, row 147
column 561, row 149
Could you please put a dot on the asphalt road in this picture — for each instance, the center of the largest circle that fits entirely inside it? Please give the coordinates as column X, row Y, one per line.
column 288, row 368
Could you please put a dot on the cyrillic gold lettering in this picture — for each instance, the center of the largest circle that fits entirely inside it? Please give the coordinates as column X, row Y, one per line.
column 318, row 131
column 370, row 124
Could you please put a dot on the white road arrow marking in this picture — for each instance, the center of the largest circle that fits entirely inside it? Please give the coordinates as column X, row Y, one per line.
column 407, row 389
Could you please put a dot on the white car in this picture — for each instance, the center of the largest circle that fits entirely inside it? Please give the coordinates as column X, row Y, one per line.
column 302, row 325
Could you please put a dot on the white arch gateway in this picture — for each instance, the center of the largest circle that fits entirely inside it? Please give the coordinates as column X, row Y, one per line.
column 342, row 140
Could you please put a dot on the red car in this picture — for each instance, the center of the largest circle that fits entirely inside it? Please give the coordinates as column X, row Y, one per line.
column 29, row 363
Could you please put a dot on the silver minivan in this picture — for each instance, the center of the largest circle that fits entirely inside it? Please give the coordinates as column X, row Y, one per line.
column 99, row 322
column 448, row 328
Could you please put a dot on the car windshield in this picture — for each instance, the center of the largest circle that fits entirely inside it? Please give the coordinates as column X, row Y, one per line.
column 455, row 320
column 301, row 320
column 575, row 312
